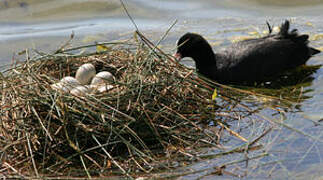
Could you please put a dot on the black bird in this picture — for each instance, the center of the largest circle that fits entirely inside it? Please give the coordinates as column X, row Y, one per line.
column 252, row 60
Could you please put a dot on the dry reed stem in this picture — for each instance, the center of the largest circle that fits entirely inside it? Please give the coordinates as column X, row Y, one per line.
column 157, row 107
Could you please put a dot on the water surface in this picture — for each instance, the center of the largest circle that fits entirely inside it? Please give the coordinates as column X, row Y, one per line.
column 46, row 24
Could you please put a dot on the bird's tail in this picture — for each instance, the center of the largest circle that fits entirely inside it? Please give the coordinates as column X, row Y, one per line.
column 284, row 29
column 314, row 51
column 293, row 34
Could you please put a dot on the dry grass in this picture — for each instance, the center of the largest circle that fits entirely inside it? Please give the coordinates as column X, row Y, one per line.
column 155, row 115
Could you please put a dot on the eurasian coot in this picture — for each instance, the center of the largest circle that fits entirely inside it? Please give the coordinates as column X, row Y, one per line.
column 251, row 60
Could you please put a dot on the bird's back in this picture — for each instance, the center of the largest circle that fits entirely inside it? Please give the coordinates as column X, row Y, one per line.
column 254, row 59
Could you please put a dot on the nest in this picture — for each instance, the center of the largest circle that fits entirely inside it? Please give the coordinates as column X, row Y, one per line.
column 153, row 109
column 155, row 112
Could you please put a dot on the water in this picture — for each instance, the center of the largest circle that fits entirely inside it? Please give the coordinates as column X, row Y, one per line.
column 45, row 25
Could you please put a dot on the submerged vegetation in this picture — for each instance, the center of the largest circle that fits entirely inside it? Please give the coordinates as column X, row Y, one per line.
column 159, row 115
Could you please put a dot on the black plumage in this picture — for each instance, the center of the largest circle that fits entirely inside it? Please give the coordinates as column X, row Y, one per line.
column 250, row 60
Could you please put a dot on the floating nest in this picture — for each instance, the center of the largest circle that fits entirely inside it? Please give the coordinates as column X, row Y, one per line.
column 153, row 116
column 153, row 109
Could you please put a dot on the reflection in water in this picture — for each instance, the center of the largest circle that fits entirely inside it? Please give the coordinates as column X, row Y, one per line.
column 300, row 76
column 286, row 91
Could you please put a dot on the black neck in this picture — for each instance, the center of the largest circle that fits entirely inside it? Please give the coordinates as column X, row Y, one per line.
column 205, row 62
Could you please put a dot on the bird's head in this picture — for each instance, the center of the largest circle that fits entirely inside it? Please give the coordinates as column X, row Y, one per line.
column 192, row 45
